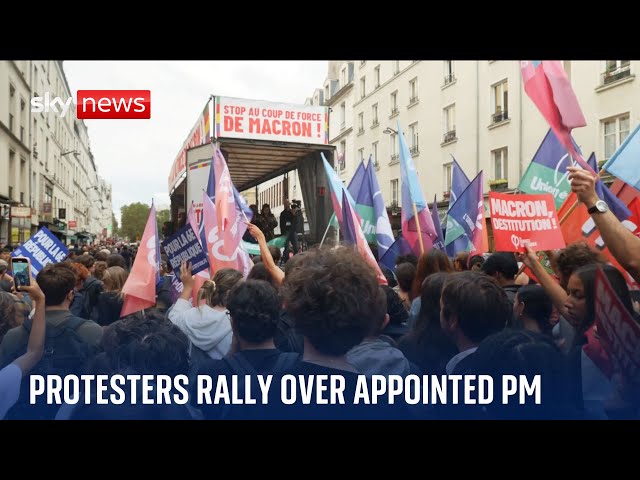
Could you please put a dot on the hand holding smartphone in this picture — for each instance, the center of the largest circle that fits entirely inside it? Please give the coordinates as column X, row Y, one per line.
column 21, row 269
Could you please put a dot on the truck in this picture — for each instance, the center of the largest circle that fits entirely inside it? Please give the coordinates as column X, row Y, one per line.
column 260, row 140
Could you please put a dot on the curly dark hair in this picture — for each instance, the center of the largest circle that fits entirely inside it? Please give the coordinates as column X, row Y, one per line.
column 255, row 309
column 332, row 296
column 573, row 257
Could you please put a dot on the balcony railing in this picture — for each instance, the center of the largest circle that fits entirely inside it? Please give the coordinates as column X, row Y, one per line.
column 394, row 111
column 360, row 130
column 375, row 122
column 611, row 76
column 449, row 79
column 500, row 116
column 395, row 158
column 450, row 136
column 414, row 150
column 413, row 100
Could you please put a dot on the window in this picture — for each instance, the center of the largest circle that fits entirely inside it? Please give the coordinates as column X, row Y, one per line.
column 343, row 77
column 449, row 123
column 341, row 157
column 12, row 90
column 449, row 76
column 363, row 85
column 394, row 147
column 394, row 103
column 361, row 122
column 362, row 62
column 374, row 152
column 374, row 114
column 394, row 192
column 500, row 99
column 361, row 154
column 500, row 164
column 616, row 70
column 376, row 77
column 343, row 115
column 413, row 88
column 396, row 67
column 615, row 130
column 448, row 171
column 413, row 131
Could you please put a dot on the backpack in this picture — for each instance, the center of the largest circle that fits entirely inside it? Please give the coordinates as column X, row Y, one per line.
column 65, row 353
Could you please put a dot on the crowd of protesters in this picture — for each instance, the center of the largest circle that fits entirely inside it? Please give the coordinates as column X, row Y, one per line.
column 324, row 313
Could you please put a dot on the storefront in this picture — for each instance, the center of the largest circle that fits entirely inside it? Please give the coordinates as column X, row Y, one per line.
column 20, row 225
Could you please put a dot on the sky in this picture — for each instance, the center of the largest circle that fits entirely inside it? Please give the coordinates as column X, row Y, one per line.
column 135, row 156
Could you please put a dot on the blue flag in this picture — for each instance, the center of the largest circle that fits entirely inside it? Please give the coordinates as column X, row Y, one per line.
column 439, row 243
column 625, row 161
column 459, row 181
column 397, row 248
column 357, row 182
column 462, row 219
column 384, row 233
column 616, row 206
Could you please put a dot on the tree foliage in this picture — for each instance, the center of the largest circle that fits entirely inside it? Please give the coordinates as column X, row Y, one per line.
column 134, row 219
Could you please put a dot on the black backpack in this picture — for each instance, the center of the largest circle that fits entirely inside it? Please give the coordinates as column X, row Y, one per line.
column 65, row 353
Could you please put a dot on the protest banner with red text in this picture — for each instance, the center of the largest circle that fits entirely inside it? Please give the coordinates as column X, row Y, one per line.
column 618, row 332
column 521, row 219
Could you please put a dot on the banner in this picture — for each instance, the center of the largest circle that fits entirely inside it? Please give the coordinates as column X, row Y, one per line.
column 184, row 246
column 41, row 249
column 618, row 332
column 260, row 120
column 254, row 248
column 521, row 219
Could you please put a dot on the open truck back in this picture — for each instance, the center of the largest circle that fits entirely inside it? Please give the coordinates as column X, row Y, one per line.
column 260, row 140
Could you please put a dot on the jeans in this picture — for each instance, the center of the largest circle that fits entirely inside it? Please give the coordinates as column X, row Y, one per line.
column 293, row 238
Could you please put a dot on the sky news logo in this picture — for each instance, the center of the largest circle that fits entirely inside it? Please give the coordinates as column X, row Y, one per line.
column 99, row 104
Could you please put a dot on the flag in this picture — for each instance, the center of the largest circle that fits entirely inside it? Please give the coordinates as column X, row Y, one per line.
column 459, row 181
column 439, row 242
column 547, row 172
column 625, row 161
column 546, row 83
column 364, row 209
column 353, row 235
column 384, row 233
column 580, row 227
column 357, row 181
column 617, row 206
column 140, row 288
column 397, row 248
column 418, row 230
column 465, row 221
column 336, row 187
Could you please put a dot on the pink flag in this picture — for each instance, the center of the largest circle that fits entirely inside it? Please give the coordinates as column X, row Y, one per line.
column 140, row 287
column 547, row 85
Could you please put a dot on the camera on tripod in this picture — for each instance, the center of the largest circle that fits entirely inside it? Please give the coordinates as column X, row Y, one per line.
column 296, row 204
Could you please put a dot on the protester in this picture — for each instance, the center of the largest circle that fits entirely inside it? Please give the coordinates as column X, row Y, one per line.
column 431, row 262
column 460, row 262
column 269, row 222
column 426, row 344
column 207, row 326
column 405, row 273
column 6, row 280
column 532, row 306
column 623, row 245
column 110, row 301
column 11, row 375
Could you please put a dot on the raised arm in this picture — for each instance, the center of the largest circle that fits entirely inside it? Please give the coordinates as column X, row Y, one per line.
column 554, row 290
column 35, row 347
column 622, row 244
column 276, row 273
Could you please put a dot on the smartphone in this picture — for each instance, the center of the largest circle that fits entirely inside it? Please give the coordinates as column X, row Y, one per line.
column 21, row 269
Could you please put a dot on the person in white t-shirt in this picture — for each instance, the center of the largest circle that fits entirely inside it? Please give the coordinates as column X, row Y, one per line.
column 11, row 375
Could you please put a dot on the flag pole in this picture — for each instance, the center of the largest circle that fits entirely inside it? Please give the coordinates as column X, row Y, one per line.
column 325, row 233
column 415, row 215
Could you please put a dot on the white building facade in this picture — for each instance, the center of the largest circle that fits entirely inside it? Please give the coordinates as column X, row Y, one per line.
column 47, row 159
